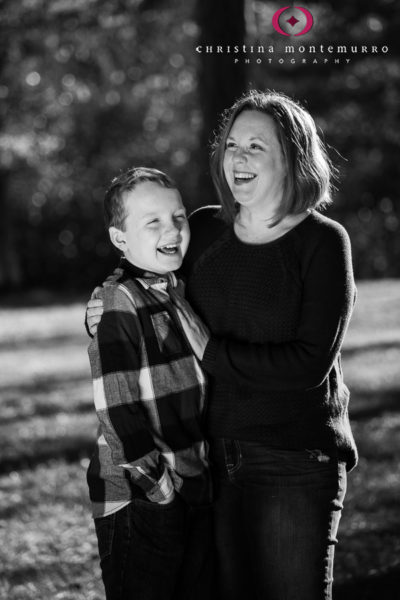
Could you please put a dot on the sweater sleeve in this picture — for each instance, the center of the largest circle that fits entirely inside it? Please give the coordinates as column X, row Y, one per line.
column 327, row 301
column 114, row 355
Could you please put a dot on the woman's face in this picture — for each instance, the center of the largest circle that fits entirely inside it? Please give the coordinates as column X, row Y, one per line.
column 254, row 166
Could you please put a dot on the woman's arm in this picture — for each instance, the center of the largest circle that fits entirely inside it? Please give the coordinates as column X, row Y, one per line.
column 94, row 308
column 327, row 302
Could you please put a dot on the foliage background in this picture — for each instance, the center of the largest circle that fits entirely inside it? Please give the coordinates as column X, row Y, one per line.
column 89, row 87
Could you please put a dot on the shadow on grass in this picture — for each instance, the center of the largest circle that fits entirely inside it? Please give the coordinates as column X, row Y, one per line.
column 44, row 410
column 44, row 343
column 70, row 450
column 40, row 298
column 385, row 586
column 26, row 575
column 368, row 404
column 349, row 351
column 45, row 397
column 43, row 384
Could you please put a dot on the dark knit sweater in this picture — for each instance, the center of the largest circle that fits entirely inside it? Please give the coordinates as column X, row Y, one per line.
column 278, row 313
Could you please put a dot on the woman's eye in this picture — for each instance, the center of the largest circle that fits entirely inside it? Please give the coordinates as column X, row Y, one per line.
column 230, row 146
column 153, row 222
column 255, row 147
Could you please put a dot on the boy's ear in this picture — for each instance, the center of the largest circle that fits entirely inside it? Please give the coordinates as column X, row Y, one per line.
column 118, row 238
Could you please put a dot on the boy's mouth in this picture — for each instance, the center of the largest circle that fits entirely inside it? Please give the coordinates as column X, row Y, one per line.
column 241, row 177
column 169, row 249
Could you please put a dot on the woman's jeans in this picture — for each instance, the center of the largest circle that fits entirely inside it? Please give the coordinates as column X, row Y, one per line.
column 157, row 551
column 276, row 519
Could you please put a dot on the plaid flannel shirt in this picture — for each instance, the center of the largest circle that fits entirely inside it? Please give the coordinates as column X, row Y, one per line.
column 149, row 395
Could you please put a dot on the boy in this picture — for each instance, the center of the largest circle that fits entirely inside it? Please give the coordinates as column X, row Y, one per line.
column 149, row 480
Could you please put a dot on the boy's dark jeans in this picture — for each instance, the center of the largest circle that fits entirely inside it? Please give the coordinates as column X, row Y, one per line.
column 157, row 551
column 276, row 519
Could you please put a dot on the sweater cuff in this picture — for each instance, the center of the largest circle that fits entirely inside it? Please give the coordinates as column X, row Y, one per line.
column 210, row 356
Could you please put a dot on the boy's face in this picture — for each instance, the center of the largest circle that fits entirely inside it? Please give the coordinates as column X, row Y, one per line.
column 156, row 232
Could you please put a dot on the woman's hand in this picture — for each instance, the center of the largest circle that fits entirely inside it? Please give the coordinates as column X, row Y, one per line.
column 94, row 308
column 94, row 311
column 196, row 332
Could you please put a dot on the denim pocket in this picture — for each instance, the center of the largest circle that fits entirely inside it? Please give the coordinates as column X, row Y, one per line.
column 168, row 339
column 233, row 455
column 157, row 506
column 162, row 524
column 105, row 528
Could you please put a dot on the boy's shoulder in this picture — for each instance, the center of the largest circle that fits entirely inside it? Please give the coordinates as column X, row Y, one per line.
column 120, row 292
column 126, row 292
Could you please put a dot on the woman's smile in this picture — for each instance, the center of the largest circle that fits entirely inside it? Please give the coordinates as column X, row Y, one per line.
column 254, row 166
column 241, row 177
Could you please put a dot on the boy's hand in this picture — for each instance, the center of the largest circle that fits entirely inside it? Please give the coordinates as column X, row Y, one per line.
column 197, row 333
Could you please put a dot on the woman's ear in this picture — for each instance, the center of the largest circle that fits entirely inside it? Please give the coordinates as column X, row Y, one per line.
column 118, row 238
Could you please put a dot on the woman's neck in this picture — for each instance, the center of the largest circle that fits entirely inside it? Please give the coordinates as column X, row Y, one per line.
column 254, row 226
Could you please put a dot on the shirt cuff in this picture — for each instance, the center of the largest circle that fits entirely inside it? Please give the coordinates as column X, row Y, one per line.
column 209, row 359
column 163, row 489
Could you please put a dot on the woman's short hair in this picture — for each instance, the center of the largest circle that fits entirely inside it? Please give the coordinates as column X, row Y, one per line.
column 308, row 168
column 115, row 211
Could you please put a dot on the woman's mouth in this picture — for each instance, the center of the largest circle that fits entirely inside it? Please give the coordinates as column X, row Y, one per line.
column 241, row 177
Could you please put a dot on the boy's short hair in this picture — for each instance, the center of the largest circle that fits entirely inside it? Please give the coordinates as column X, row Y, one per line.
column 115, row 211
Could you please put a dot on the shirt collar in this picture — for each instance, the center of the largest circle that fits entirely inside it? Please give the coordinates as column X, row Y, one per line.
column 147, row 279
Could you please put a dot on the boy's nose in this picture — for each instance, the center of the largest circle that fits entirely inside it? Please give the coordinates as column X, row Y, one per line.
column 172, row 228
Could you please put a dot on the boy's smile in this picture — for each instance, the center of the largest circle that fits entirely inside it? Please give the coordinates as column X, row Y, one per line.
column 156, row 232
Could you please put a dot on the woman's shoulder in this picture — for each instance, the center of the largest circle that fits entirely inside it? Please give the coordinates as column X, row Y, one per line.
column 206, row 216
column 324, row 243
column 206, row 227
column 319, row 228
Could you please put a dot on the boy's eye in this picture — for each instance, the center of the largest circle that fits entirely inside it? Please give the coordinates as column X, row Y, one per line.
column 153, row 222
column 180, row 217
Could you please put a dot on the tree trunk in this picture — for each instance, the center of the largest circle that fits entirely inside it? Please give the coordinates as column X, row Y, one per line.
column 221, row 81
column 10, row 268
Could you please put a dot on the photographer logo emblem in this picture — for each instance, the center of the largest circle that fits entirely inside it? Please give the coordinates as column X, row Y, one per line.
column 292, row 20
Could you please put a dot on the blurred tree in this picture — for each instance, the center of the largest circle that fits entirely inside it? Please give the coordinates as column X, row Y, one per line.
column 89, row 87
column 220, row 80
column 93, row 87
column 357, row 106
column 10, row 270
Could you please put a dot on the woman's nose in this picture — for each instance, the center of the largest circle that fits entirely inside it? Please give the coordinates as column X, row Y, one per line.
column 240, row 154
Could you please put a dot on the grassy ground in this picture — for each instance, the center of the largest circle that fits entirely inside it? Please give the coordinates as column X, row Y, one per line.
column 47, row 431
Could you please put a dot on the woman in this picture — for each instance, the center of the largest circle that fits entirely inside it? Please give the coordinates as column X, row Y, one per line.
column 273, row 281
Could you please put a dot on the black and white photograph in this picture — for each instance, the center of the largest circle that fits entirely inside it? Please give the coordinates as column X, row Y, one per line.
column 199, row 300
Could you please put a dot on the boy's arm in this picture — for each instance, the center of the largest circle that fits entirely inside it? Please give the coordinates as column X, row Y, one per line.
column 114, row 355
